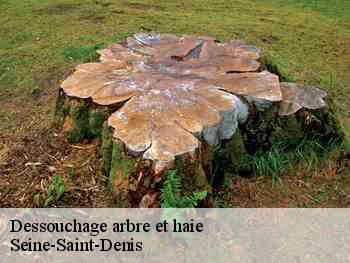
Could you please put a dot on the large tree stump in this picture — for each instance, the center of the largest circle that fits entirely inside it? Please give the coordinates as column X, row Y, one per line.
column 162, row 102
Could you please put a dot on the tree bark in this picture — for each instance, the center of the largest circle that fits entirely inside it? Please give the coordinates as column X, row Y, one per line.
column 160, row 102
column 132, row 179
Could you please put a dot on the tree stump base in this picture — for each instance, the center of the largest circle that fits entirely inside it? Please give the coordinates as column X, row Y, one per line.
column 161, row 102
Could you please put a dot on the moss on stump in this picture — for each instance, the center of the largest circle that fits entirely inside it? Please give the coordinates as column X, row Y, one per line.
column 132, row 179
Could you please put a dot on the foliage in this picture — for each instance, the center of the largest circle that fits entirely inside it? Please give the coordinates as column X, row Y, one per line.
column 313, row 154
column 171, row 196
column 218, row 202
column 53, row 192
column 310, row 154
column 310, row 151
column 271, row 163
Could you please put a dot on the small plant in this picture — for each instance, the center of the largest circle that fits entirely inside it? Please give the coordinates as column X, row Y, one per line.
column 52, row 192
column 55, row 190
column 271, row 163
column 219, row 203
column 171, row 196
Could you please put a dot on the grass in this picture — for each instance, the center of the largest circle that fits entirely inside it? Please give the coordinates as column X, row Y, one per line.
column 8, row 69
column 307, row 40
column 308, row 152
column 42, row 40
column 337, row 9
column 309, row 155
column 312, row 175
column 82, row 53
column 271, row 164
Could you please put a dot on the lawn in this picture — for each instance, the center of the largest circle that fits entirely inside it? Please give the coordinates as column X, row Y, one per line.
column 41, row 41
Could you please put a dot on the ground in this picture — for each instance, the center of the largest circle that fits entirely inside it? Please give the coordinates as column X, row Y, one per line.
column 41, row 41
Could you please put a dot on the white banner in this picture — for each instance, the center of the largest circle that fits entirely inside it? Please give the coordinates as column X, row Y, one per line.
column 174, row 235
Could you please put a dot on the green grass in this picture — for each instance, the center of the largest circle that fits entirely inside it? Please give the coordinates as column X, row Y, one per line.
column 8, row 69
column 271, row 163
column 288, row 156
column 309, row 154
column 337, row 9
column 307, row 40
column 82, row 53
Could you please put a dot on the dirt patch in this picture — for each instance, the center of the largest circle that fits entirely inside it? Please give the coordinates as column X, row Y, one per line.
column 144, row 7
column 36, row 106
column 270, row 39
column 57, row 9
column 102, row 3
column 117, row 12
column 51, row 77
column 28, row 166
column 94, row 18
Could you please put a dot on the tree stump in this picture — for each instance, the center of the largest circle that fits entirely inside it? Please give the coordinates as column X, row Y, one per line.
column 161, row 102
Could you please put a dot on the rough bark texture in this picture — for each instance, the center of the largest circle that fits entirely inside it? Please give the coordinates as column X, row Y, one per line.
column 161, row 102
column 132, row 178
